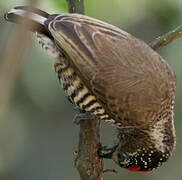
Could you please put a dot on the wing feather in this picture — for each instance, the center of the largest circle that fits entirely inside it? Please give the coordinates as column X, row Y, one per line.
column 123, row 72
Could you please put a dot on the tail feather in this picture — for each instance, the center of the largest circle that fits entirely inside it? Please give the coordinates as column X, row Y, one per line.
column 33, row 16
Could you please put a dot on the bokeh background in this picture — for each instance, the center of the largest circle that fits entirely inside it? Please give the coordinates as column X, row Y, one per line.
column 37, row 134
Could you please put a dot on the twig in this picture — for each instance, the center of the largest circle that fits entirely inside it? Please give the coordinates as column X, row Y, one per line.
column 76, row 6
column 166, row 38
column 87, row 162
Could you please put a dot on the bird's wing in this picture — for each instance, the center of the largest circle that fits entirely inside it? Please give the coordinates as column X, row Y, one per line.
column 122, row 71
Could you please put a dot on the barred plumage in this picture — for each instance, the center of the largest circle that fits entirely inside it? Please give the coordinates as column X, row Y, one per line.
column 111, row 74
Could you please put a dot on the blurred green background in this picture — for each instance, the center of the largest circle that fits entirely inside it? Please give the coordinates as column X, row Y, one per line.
column 37, row 135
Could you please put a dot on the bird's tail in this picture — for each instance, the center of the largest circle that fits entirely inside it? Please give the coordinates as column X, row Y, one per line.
column 33, row 17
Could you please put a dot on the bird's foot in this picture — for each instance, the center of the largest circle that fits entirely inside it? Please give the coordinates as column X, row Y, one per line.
column 107, row 151
column 77, row 108
column 83, row 116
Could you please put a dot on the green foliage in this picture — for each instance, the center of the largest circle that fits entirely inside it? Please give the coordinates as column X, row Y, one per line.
column 62, row 4
column 166, row 12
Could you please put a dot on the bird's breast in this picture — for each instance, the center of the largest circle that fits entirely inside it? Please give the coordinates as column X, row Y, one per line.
column 78, row 92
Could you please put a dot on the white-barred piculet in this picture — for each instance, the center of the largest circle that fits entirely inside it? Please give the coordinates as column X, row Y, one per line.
column 114, row 76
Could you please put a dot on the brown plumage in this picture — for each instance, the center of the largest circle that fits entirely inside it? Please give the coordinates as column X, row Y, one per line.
column 108, row 72
column 128, row 78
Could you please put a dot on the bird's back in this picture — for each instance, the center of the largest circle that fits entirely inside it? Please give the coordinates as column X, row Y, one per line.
column 127, row 77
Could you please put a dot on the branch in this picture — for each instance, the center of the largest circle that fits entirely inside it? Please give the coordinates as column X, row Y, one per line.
column 166, row 38
column 87, row 162
column 76, row 6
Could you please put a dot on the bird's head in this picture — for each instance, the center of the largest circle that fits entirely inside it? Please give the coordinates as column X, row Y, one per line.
column 141, row 161
column 138, row 152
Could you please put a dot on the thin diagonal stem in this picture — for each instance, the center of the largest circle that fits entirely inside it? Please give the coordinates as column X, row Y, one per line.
column 167, row 38
column 76, row 6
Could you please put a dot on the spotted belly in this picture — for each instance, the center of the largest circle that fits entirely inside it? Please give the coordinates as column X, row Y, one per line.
column 78, row 92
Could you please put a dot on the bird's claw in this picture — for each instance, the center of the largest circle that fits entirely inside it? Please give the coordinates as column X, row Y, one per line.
column 83, row 116
column 107, row 151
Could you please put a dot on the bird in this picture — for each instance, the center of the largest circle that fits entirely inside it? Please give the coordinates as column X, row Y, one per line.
column 110, row 74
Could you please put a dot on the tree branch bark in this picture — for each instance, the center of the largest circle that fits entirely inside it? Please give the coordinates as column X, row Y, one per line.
column 76, row 6
column 87, row 162
column 167, row 38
